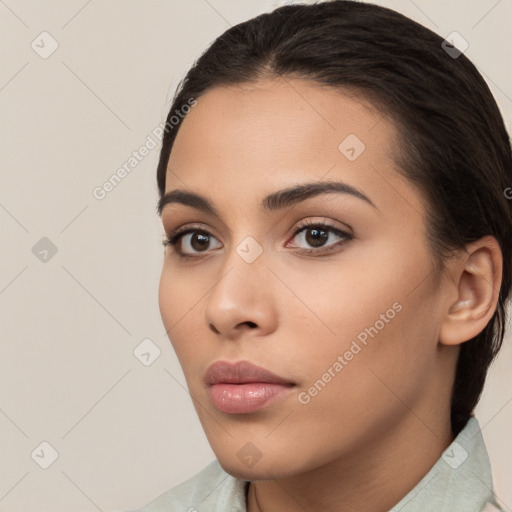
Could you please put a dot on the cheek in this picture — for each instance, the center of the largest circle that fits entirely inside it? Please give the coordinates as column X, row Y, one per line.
column 348, row 386
column 341, row 299
column 178, row 293
column 166, row 297
column 372, row 311
column 175, row 306
column 181, row 299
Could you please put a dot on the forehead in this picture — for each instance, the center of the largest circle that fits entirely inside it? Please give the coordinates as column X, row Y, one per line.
column 292, row 108
column 262, row 136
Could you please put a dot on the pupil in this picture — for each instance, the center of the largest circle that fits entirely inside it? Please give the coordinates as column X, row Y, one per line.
column 203, row 244
column 314, row 241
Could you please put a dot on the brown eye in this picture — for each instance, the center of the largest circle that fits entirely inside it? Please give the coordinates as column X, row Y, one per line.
column 317, row 235
column 190, row 241
column 199, row 241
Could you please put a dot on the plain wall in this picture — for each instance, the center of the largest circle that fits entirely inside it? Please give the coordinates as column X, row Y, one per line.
column 79, row 275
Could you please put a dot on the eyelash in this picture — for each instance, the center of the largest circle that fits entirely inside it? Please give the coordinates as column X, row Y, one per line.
column 179, row 233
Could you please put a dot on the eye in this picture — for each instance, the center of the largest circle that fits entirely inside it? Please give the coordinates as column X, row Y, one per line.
column 317, row 234
column 189, row 241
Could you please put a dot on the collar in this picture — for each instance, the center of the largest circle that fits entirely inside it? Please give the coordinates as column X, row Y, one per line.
column 460, row 481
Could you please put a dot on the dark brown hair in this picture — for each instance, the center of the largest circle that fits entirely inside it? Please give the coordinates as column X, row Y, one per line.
column 454, row 145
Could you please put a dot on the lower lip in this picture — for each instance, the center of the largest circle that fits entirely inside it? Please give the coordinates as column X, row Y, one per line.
column 246, row 398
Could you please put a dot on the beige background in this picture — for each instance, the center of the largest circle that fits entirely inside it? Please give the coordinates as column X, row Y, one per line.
column 124, row 432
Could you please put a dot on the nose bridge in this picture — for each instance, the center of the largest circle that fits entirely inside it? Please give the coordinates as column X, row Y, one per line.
column 242, row 269
column 242, row 293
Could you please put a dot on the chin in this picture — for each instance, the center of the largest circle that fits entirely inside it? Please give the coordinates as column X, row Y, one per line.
column 260, row 470
column 245, row 473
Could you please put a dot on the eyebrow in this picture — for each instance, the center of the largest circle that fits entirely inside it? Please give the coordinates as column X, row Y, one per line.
column 275, row 201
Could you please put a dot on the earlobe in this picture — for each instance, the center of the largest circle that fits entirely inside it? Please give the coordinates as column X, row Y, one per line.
column 477, row 278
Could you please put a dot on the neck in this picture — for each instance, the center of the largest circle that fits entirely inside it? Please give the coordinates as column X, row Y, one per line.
column 376, row 478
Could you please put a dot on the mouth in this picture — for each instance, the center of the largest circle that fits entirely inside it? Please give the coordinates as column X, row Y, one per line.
column 243, row 388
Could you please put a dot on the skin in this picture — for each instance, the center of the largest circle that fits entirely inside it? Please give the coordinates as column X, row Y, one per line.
column 368, row 437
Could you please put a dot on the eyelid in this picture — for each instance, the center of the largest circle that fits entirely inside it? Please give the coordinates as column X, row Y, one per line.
column 311, row 220
column 345, row 235
column 298, row 224
column 179, row 233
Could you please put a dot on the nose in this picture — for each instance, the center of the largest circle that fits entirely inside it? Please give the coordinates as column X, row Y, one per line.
column 243, row 299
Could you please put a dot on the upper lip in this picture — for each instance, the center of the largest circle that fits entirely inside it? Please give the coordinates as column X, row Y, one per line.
column 241, row 372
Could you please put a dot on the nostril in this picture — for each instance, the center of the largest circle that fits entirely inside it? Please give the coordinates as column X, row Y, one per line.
column 250, row 324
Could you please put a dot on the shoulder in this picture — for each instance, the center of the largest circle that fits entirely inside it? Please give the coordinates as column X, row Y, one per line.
column 211, row 489
column 461, row 479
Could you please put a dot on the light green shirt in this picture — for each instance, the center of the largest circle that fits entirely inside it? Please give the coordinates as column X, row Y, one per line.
column 460, row 481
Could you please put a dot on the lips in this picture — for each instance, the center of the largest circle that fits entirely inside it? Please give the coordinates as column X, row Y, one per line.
column 241, row 372
column 243, row 388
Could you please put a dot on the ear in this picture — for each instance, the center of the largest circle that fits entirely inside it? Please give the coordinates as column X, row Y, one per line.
column 476, row 283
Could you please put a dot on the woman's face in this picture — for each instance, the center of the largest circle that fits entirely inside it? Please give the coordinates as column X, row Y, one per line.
column 346, row 313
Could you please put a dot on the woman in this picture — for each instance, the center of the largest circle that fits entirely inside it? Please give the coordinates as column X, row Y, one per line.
column 338, row 262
